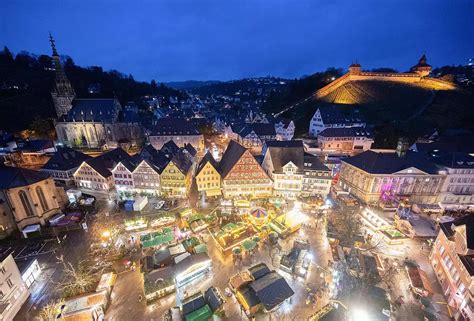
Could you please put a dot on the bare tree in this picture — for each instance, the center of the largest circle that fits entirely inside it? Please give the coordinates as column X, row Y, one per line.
column 76, row 280
column 347, row 225
column 51, row 311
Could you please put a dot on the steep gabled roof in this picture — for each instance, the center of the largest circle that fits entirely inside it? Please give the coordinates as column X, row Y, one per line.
column 65, row 158
column 312, row 162
column 11, row 177
column 149, row 163
column 262, row 129
column 174, row 126
column 346, row 132
column 182, row 161
column 207, row 159
column 104, row 163
column 191, row 150
column 340, row 114
column 169, row 148
column 389, row 163
column 94, row 109
column 284, row 143
column 232, row 154
column 281, row 156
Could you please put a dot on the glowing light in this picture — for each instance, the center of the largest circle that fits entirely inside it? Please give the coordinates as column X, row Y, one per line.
column 106, row 234
column 359, row 315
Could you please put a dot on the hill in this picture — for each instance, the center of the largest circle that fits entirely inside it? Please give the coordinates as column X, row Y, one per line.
column 190, row 84
column 26, row 81
column 395, row 108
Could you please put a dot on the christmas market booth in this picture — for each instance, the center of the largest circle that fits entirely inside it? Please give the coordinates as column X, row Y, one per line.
column 232, row 235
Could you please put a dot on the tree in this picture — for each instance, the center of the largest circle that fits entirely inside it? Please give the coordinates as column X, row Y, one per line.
column 347, row 225
column 42, row 128
column 51, row 311
column 6, row 57
column 76, row 280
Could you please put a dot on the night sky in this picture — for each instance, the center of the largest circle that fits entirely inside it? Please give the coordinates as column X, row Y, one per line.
column 203, row 40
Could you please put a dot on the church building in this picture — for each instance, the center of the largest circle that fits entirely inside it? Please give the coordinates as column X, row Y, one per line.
column 91, row 122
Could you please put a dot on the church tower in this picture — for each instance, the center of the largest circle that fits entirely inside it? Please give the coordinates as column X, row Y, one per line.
column 63, row 93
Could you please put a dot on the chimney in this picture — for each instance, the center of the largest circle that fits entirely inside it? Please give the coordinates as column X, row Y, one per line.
column 402, row 146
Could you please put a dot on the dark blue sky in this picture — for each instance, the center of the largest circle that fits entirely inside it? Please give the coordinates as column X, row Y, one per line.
column 222, row 39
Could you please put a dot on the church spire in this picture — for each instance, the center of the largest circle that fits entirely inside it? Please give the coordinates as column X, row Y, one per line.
column 53, row 45
column 63, row 93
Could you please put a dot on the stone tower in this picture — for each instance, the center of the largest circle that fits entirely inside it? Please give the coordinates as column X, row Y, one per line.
column 355, row 68
column 421, row 68
column 63, row 93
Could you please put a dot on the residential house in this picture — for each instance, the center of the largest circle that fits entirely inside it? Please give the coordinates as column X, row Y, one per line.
column 317, row 177
column 335, row 116
column 284, row 163
column 208, row 178
column 62, row 165
column 176, row 176
column 242, row 175
column 122, row 176
column 95, row 173
column 345, row 140
column 452, row 258
column 253, row 136
column 13, row 290
column 146, row 177
column 285, row 129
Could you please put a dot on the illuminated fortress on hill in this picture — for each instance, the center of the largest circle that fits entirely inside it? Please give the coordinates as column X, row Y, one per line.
column 356, row 85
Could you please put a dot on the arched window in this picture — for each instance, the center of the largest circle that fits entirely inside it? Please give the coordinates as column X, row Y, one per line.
column 42, row 199
column 26, row 203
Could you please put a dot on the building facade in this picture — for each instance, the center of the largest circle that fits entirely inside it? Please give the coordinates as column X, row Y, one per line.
column 13, row 290
column 283, row 162
column 180, row 131
column 335, row 116
column 374, row 176
column 242, row 175
column 345, row 140
column 146, row 178
column 123, row 178
column 30, row 197
column 176, row 176
column 457, row 191
column 208, row 178
column 285, row 129
column 452, row 258
column 62, row 165
column 317, row 179
column 91, row 122
column 90, row 177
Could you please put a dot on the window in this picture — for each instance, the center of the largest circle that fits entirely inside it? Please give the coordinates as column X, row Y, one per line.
column 3, row 270
column 26, row 203
column 42, row 199
column 10, row 283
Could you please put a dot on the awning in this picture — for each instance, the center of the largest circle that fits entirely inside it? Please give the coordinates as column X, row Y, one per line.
column 201, row 314
column 200, row 248
column 249, row 245
column 213, row 192
column 419, row 279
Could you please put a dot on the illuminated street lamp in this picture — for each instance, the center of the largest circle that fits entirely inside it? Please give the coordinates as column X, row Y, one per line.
column 106, row 234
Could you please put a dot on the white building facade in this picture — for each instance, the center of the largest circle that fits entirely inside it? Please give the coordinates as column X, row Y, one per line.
column 13, row 291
